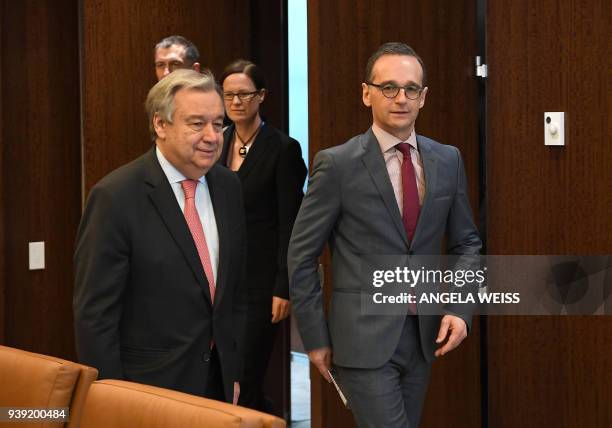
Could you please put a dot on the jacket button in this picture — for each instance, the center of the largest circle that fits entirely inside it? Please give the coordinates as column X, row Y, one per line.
column 206, row 357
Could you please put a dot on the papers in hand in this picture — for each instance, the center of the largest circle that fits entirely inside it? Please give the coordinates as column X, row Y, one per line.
column 332, row 374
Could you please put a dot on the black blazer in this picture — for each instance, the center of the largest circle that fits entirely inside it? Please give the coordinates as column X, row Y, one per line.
column 142, row 305
column 272, row 177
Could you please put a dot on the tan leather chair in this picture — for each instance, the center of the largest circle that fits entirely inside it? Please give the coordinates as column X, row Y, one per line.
column 35, row 380
column 121, row 404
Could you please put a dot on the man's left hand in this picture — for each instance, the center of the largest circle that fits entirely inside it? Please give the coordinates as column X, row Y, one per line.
column 280, row 309
column 236, row 393
column 457, row 329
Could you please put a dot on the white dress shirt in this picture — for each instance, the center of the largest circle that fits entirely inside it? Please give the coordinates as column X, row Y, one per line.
column 203, row 205
column 394, row 158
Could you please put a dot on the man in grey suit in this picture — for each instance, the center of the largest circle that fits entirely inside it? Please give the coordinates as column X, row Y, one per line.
column 385, row 192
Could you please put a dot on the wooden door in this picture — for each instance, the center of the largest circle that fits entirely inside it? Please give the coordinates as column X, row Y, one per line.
column 549, row 55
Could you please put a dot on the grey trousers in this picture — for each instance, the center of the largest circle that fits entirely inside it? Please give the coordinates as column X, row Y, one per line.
column 392, row 395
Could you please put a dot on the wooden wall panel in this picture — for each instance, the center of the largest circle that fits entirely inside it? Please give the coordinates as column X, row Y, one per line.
column 550, row 55
column 117, row 61
column 342, row 35
column 40, row 170
column 268, row 49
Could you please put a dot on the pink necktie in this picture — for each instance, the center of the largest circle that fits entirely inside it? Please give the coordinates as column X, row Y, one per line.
column 195, row 226
column 410, row 205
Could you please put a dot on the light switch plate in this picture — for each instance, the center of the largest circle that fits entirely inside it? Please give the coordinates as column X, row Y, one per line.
column 37, row 255
column 554, row 128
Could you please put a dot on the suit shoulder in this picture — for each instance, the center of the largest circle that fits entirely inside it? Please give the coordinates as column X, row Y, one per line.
column 439, row 148
column 284, row 141
column 124, row 176
column 345, row 155
column 118, row 190
column 343, row 150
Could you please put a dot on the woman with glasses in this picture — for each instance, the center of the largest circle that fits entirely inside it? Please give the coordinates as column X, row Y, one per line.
column 270, row 166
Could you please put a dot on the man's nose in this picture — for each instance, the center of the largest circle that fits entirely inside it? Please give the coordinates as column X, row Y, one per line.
column 401, row 96
column 209, row 133
column 167, row 70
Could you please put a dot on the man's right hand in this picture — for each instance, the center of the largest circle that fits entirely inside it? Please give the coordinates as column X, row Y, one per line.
column 321, row 358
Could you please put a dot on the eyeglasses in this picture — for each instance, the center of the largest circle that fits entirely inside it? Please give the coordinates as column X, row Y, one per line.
column 175, row 65
column 243, row 96
column 412, row 92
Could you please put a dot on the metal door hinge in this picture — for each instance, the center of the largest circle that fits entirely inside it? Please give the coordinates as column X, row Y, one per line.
column 481, row 69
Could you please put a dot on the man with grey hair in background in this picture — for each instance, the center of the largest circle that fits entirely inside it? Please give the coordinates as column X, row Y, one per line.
column 173, row 53
column 159, row 295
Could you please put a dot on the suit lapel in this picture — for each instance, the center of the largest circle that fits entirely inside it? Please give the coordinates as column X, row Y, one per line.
column 260, row 147
column 227, row 139
column 164, row 200
column 430, row 167
column 219, row 201
column 375, row 164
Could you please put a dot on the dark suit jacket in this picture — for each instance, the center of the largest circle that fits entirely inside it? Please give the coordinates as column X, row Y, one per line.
column 142, row 304
column 350, row 203
column 272, row 176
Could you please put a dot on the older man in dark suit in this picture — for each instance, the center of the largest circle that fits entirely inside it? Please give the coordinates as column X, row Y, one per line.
column 386, row 192
column 159, row 295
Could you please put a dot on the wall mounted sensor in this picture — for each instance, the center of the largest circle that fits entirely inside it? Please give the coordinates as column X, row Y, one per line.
column 554, row 128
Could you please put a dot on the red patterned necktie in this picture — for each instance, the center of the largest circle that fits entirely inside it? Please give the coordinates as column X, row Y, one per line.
column 195, row 226
column 410, row 200
column 410, row 205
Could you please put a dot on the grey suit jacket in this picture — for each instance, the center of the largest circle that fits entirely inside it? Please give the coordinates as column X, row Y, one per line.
column 350, row 203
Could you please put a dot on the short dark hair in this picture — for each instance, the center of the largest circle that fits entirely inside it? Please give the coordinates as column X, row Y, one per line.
column 247, row 67
column 192, row 55
column 392, row 48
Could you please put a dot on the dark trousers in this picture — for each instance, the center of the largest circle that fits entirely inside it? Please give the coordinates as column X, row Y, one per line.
column 260, row 335
column 214, row 384
column 390, row 396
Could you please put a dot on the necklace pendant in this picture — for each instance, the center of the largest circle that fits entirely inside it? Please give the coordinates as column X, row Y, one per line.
column 243, row 151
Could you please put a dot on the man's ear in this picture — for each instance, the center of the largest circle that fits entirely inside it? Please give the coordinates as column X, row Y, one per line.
column 423, row 95
column 196, row 66
column 365, row 95
column 159, row 124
